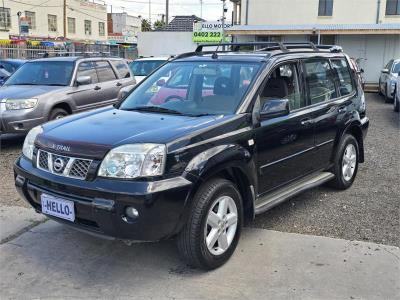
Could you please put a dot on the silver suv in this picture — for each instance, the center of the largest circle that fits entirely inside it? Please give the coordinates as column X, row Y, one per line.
column 51, row 88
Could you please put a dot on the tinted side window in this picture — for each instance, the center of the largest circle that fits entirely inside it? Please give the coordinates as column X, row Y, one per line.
column 122, row 68
column 320, row 82
column 283, row 83
column 104, row 71
column 344, row 77
column 9, row 67
column 87, row 68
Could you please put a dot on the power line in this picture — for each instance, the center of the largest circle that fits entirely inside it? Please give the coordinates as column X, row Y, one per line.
column 37, row 5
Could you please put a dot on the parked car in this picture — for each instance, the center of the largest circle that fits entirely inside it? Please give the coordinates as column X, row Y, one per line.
column 359, row 71
column 142, row 67
column 396, row 102
column 51, row 88
column 387, row 80
column 278, row 121
column 8, row 67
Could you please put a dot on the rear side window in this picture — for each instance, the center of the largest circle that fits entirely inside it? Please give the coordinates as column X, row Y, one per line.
column 104, row 71
column 320, row 81
column 345, row 82
column 122, row 68
column 88, row 68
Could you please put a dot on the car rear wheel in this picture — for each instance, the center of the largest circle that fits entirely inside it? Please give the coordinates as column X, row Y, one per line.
column 57, row 113
column 214, row 225
column 346, row 163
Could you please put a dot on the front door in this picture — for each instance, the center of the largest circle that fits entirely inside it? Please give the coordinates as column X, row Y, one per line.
column 284, row 144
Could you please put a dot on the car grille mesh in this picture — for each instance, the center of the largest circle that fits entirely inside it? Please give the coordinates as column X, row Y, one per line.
column 63, row 165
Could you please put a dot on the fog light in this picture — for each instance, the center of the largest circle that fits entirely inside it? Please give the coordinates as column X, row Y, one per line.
column 131, row 212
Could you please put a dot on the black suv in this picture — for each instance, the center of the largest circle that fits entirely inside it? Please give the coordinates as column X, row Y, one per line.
column 208, row 140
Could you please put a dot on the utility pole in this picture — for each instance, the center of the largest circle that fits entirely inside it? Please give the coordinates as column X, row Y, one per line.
column 224, row 10
column 150, row 12
column 166, row 12
column 65, row 18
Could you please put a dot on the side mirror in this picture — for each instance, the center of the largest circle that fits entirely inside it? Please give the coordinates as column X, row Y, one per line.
column 274, row 108
column 398, row 74
column 161, row 82
column 83, row 80
column 385, row 71
column 362, row 70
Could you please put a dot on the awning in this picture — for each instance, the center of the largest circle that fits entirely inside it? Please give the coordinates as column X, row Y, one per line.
column 384, row 28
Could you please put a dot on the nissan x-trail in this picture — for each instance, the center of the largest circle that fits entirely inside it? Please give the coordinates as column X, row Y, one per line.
column 206, row 142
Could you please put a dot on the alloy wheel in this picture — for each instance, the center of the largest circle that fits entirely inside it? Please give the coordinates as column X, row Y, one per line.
column 221, row 225
column 349, row 162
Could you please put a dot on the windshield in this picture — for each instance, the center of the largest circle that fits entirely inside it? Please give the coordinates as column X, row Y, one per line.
column 193, row 88
column 43, row 73
column 396, row 68
column 145, row 67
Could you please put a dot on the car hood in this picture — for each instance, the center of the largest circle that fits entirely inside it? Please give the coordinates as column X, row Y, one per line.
column 25, row 91
column 92, row 134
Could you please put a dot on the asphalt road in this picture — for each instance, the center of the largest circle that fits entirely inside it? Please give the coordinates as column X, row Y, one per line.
column 368, row 211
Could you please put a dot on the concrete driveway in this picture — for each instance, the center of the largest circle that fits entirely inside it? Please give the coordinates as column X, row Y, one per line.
column 47, row 260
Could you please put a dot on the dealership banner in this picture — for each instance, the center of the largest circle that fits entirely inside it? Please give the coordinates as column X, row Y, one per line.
column 208, row 32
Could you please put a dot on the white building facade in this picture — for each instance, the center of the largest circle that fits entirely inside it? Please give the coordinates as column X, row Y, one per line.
column 368, row 30
column 124, row 27
column 84, row 20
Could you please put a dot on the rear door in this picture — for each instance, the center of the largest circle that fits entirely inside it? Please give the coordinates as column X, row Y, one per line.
column 330, row 89
column 284, row 144
column 124, row 75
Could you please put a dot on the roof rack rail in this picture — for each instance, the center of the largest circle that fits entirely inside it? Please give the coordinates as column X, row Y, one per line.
column 268, row 46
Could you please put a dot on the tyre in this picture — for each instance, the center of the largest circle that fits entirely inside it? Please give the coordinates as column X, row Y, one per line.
column 213, row 229
column 379, row 88
column 396, row 103
column 387, row 99
column 345, row 163
column 57, row 113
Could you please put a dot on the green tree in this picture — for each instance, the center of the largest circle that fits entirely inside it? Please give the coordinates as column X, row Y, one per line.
column 146, row 26
column 159, row 24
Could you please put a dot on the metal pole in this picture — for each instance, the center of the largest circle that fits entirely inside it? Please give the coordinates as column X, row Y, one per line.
column 65, row 18
column 223, row 23
column 319, row 37
column 150, row 13
column 166, row 12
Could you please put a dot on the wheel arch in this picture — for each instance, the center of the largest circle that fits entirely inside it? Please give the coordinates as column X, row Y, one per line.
column 354, row 129
column 231, row 162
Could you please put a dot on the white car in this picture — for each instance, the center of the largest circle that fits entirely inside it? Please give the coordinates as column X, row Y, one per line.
column 387, row 80
column 396, row 102
column 142, row 67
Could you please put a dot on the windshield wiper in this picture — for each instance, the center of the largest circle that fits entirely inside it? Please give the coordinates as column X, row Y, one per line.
column 155, row 109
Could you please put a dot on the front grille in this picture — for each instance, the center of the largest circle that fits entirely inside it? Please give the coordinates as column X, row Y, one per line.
column 63, row 165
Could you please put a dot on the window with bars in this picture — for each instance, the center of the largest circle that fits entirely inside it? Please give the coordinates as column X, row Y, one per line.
column 325, row 8
column 71, row 25
column 52, row 23
column 102, row 31
column 31, row 18
column 5, row 18
column 392, row 7
column 88, row 27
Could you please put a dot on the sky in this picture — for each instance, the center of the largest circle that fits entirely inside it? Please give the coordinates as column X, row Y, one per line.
column 212, row 9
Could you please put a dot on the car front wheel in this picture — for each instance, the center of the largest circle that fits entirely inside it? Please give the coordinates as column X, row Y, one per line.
column 396, row 102
column 57, row 113
column 213, row 229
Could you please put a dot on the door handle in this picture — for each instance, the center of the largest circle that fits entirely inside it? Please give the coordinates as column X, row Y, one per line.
column 306, row 121
column 341, row 109
column 118, row 84
column 97, row 88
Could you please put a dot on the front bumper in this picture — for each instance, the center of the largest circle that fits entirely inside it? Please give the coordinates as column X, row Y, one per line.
column 100, row 204
column 18, row 121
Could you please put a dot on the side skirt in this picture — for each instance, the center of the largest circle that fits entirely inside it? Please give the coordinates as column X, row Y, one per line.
column 274, row 198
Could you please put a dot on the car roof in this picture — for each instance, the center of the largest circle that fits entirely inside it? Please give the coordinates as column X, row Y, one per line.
column 152, row 58
column 14, row 60
column 76, row 58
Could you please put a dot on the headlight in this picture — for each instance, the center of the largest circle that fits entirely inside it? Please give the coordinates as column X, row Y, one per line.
column 27, row 148
column 14, row 104
column 134, row 160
